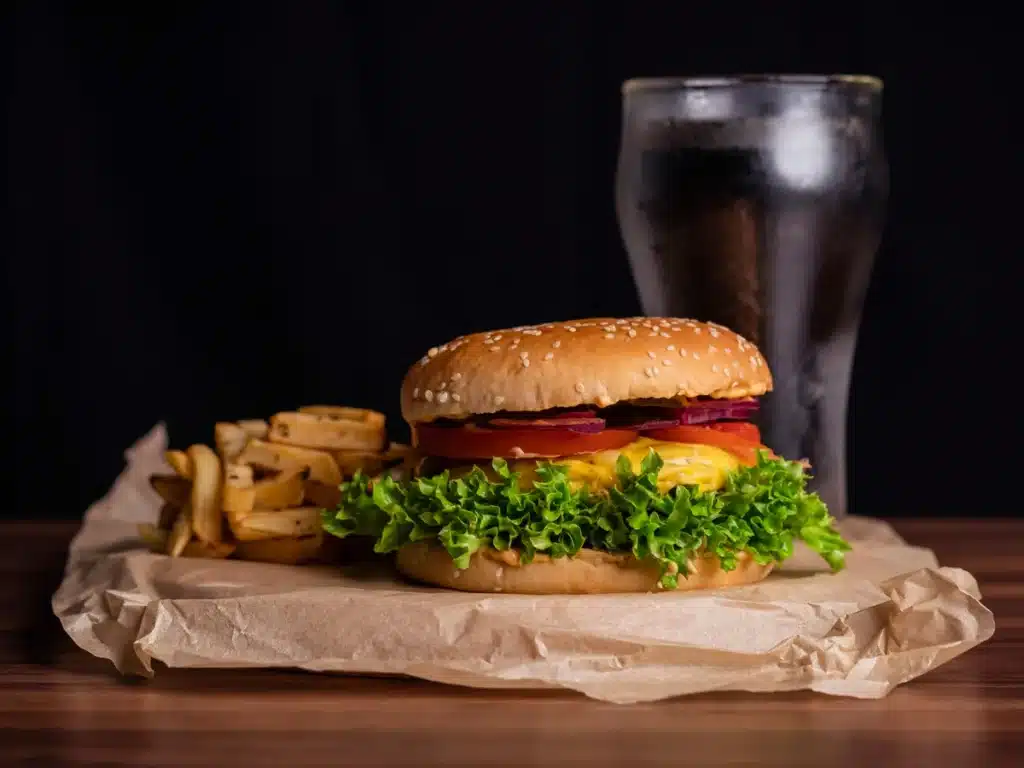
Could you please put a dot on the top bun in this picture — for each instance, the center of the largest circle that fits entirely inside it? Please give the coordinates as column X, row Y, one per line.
column 598, row 361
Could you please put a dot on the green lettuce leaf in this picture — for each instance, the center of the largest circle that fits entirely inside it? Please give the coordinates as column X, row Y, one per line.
column 761, row 510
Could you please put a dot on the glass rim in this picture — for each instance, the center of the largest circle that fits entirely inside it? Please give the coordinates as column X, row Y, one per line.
column 724, row 81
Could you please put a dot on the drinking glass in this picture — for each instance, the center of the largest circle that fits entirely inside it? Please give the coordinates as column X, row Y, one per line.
column 757, row 202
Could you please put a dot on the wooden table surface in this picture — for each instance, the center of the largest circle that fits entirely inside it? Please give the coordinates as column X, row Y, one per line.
column 60, row 706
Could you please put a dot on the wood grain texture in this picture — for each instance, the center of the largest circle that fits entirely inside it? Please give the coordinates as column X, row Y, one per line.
column 59, row 706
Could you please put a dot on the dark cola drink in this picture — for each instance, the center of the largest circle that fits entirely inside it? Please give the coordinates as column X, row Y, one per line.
column 758, row 204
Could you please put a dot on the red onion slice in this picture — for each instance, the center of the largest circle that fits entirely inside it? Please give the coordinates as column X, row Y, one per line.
column 716, row 410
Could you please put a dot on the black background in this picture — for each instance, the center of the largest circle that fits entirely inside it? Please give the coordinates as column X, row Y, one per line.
column 219, row 210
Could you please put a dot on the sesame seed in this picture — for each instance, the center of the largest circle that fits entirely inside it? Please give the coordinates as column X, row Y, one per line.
column 579, row 387
column 671, row 347
column 608, row 328
column 666, row 362
column 495, row 349
column 728, row 350
column 456, row 397
column 622, row 322
column 570, row 329
column 695, row 329
column 632, row 333
column 498, row 337
column 714, row 369
column 424, row 360
column 713, row 332
column 428, row 396
column 456, row 376
column 653, row 333
column 556, row 343
column 524, row 355
column 442, row 397
column 432, row 352
column 498, row 399
column 682, row 351
column 549, row 356
column 663, row 334
column 532, row 332
column 753, row 361
column 696, row 356
column 609, row 335
column 646, row 323
column 415, row 392
column 651, row 355
column 649, row 373
column 526, row 362
column 712, row 348
column 444, row 385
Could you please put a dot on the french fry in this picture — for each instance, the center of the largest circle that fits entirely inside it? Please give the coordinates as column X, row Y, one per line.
column 155, row 538
column 406, row 460
column 287, row 551
column 341, row 413
column 173, row 489
column 215, row 551
column 230, row 439
column 323, row 496
column 239, row 496
column 370, row 462
column 269, row 480
column 180, row 463
column 319, row 431
column 272, row 524
column 367, row 462
column 240, row 475
column 257, row 428
column 181, row 533
column 206, row 494
column 285, row 489
column 279, row 457
column 398, row 451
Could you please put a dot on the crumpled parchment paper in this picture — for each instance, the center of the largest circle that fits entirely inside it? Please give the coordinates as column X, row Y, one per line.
column 891, row 616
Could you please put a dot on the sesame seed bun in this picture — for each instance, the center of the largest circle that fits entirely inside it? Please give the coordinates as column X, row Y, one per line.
column 589, row 572
column 598, row 361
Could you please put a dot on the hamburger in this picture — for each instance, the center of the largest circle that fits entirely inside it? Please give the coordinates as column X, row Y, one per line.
column 591, row 456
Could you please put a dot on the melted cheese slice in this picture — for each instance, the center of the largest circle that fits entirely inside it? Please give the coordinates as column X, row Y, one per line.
column 704, row 466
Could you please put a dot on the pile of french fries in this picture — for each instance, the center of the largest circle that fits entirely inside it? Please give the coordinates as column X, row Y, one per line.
column 258, row 494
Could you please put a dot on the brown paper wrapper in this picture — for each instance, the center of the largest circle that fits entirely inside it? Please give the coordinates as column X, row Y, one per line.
column 891, row 616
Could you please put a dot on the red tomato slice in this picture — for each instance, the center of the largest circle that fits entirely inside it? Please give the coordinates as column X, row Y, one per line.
column 743, row 429
column 743, row 449
column 479, row 443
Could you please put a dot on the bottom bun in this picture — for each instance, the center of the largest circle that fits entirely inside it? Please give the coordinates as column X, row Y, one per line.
column 589, row 572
